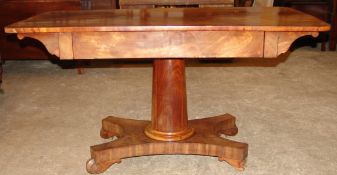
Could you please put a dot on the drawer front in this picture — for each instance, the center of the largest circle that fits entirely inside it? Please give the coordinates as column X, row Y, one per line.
column 168, row 44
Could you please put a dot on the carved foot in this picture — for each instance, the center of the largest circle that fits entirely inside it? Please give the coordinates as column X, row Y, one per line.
column 237, row 164
column 225, row 124
column 133, row 142
column 96, row 168
column 111, row 128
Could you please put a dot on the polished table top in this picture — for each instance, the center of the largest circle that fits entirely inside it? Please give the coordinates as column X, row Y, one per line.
column 247, row 19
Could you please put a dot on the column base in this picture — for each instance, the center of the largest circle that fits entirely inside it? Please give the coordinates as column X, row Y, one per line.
column 170, row 136
column 131, row 142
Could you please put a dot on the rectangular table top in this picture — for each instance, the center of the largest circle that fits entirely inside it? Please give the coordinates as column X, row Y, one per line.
column 172, row 19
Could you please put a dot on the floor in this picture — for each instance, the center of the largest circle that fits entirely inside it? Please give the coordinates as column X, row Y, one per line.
column 286, row 112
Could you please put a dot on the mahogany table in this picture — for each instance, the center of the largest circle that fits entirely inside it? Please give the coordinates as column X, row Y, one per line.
column 168, row 36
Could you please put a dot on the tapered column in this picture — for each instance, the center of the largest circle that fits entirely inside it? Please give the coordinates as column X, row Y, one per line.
column 169, row 107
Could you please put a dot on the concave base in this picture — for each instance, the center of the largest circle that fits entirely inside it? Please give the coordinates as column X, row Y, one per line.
column 133, row 142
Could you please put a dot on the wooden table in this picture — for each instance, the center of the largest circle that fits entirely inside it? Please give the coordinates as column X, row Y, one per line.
column 168, row 36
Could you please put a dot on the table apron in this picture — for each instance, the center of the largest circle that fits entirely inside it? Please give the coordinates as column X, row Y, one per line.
column 167, row 44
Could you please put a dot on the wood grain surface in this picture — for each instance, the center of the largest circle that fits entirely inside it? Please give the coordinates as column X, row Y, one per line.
column 168, row 44
column 131, row 141
column 276, row 43
column 201, row 19
column 169, row 103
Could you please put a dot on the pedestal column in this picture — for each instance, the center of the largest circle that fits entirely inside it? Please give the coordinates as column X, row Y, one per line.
column 169, row 107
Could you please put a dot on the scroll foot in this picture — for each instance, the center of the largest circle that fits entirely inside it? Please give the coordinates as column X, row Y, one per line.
column 111, row 128
column 95, row 168
column 225, row 124
column 237, row 164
